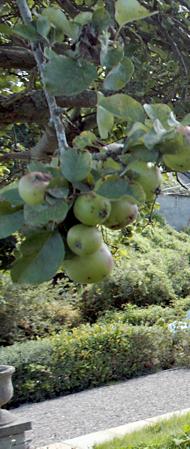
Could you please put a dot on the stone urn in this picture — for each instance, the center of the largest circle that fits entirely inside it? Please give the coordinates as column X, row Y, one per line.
column 6, row 393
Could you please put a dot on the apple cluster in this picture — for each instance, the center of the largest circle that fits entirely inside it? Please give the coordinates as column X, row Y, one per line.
column 88, row 259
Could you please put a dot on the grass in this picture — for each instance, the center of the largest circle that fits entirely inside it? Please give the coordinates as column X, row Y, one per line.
column 173, row 433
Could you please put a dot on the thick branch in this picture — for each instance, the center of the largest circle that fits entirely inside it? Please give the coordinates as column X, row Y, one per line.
column 31, row 107
column 16, row 57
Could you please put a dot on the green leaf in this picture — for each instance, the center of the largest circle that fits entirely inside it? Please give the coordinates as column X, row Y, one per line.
column 42, row 254
column 119, row 75
column 11, row 219
column 124, row 107
column 76, row 165
column 155, row 135
column 43, row 26
column 186, row 120
column 83, row 17
column 159, row 111
column 115, row 187
column 129, row 10
column 105, row 121
column 10, row 193
column 27, row 32
column 42, row 214
column 65, row 76
column 85, row 139
column 57, row 18
column 101, row 18
column 109, row 56
column 5, row 29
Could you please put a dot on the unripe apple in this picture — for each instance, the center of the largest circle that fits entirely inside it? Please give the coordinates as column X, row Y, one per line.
column 122, row 214
column 176, row 152
column 148, row 175
column 84, row 240
column 89, row 269
column 92, row 209
column 32, row 187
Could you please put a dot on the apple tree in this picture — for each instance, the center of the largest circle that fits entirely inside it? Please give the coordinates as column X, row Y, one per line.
column 94, row 109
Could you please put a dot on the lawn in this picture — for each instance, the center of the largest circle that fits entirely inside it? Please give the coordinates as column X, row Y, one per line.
column 167, row 434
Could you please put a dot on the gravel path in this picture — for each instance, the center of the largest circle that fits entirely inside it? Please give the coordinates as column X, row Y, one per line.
column 110, row 406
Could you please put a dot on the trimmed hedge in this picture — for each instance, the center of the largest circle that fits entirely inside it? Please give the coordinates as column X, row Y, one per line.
column 86, row 357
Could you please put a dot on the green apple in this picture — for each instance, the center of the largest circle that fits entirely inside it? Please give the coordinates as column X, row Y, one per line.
column 148, row 175
column 91, row 209
column 32, row 187
column 90, row 269
column 84, row 240
column 176, row 152
column 122, row 214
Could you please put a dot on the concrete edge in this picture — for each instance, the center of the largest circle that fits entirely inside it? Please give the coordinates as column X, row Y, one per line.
column 89, row 440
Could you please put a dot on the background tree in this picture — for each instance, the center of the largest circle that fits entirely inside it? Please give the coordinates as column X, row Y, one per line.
column 76, row 77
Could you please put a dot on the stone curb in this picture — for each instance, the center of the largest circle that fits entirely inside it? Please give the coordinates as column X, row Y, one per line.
column 89, row 440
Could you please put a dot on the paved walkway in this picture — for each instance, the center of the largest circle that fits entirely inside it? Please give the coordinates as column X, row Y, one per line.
column 110, row 406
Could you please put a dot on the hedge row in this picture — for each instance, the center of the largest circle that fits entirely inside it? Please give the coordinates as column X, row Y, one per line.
column 87, row 357
column 151, row 315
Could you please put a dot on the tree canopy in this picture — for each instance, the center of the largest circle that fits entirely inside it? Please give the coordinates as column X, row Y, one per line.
column 94, row 102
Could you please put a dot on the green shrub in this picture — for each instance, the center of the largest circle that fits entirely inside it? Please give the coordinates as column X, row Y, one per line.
column 86, row 357
column 153, row 314
column 131, row 282
column 28, row 313
column 182, row 348
column 152, row 268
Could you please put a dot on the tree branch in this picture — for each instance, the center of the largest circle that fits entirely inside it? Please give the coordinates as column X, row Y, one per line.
column 68, row 7
column 13, row 57
column 38, row 55
column 31, row 107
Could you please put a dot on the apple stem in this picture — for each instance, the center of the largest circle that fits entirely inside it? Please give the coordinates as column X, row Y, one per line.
column 40, row 61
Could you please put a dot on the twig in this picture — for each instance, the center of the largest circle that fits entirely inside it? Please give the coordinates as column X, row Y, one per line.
column 39, row 57
column 21, row 156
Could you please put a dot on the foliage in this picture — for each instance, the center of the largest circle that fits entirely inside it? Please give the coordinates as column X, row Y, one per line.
column 160, row 290
column 27, row 314
column 151, row 315
column 170, row 433
column 86, row 357
column 151, row 268
column 119, row 64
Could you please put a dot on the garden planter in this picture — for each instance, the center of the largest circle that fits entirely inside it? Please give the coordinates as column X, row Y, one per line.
column 6, row 393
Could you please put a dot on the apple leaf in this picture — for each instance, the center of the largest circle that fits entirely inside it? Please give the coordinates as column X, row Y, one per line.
column 161, row 112
column 105, row 121
column 58, row 19
column 11, row 219
column 101, row 18
column 76, row 164
column 129, row 10
column 115, row 187
column 42, row 214
column 10, row 194
column 85, row 139
column 41, row 255
column 83, row 17
column 43, row 26
column 27, row 32
column 186, row 120
column 66, row 76
column 124, row 107
column 109, row 56
column 119, row 75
